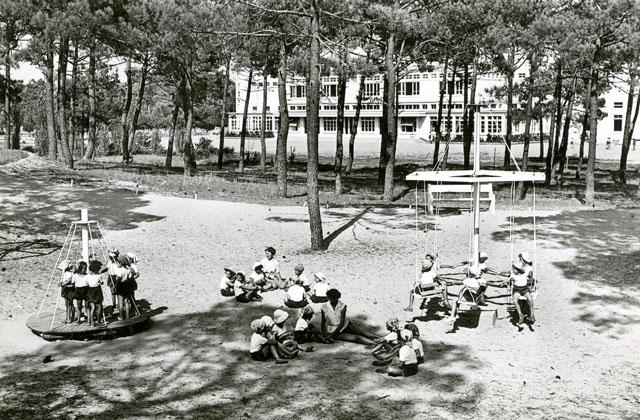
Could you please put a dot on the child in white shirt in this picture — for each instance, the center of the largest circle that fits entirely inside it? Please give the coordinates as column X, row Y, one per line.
column 81, row 287
column 245, row 291
column 320, row 288
column 387, row 347
column 407, row 362
column 300, row 278
column 261, row 347
column 67, row 289
column 227, row 283
column 428, row 280
column 416, row 344
column 304, row 331
column 94, row 293
column 296, row 296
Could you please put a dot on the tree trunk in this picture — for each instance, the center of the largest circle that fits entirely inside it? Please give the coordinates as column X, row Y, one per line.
column 354, row 127
column 392, row 119
column 507, row 154
column 17, row 122
column 465, row 114
column 91, row 143
column 7, row 96
column 74, row 99
column 449, row 119
column 342, row 90
column 51, row 124
column 562, row 151
column 133, row 125
column 443, row 86
column 243, row 132
column 190, row 166
column 541, row 133
column 62, row 101
column 628, row 133
column 591, row 162
column 313, row 108
column 557, row 103
column 382, row 161
column 585, row 127
column 263, row 129
column 283, row 125
column 223, row 117
column 172, row 133
column 124, row 118
column 521, row 192
column 471, row 124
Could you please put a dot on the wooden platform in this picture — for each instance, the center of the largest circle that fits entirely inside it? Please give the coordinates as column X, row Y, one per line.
column 59, row 331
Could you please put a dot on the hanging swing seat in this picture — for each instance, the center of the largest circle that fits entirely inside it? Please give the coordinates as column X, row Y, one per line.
column 426, row 294
column 458, row 193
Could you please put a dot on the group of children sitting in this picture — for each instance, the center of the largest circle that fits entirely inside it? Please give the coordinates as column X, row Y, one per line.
column 81, row 282
column 265, row 276
column 519, row 278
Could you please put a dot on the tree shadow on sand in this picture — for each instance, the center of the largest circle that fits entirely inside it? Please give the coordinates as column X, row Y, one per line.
column 197, row 366
column 606, row 263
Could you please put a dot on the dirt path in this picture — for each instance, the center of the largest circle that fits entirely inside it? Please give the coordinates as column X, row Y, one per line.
column 578, row 362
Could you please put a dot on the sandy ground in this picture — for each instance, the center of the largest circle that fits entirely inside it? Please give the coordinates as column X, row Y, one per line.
column 578, row 360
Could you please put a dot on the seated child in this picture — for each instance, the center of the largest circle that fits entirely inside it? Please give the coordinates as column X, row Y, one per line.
column 416, row 344
column 227, row 283
column 262, row 348
column 258, row 278
column 387, row 347
column 428, row 281
column 472, row 290
column 301, row 278
column 520, row 283
column 320, row 288
column 305, row 332
column 407, row 362
column 244, row 290
column 296, row 296
column 286, row 348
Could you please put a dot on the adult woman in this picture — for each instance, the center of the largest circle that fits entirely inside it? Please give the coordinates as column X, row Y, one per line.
column 336, row 326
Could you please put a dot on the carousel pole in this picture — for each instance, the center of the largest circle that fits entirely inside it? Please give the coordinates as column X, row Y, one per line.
column 84, row 219
column 476, row 197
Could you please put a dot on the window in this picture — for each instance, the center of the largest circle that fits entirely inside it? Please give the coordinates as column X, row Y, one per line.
column 491, row 124
column 371, row 89
column 522, row 75
column 367, row 125
column 256, row 122
column 433, row 124
column 434, row 75
column 298, row 91
column 268, row 108
column 233, row 123
column 268, row 126
column 274, row 83
column 370, row 106
column 329, row 124
column 617, row 123
column 346, row 107
column 330, row 90
column 617, row 104
column 459, row 87
column 434, row 106
column 407, row 125
column 409, row 88
column 330, row 107
column 458, row 106
column 254, row 108
column 425, row 106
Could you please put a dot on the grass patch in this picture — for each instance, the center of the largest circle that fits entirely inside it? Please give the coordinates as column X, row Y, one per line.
column 8, row 156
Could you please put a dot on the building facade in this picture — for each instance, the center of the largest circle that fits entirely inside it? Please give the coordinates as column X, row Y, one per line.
column 418, row 96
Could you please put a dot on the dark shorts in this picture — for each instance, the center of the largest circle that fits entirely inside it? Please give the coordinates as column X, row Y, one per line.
column 258, row 356
column 301, row 336
column 243, row 298
column 80, row 293
column 523, row 290
column 67, row 292
column 226, row 292
column 319, row 299
column 295, row 305
column 123, row 288
column 94, row 294
column 409, row 370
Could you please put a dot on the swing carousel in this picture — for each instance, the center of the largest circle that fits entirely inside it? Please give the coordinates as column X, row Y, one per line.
column 85, row 241
column 474, row 182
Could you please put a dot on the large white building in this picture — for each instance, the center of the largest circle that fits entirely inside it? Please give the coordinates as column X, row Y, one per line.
column 418, row 95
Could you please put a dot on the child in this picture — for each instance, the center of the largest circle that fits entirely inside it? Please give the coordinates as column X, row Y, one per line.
column 123, row 287
column 227, row 283
column 112, row 270
column 387, row 347
column 416, row 344
column 271, row 267
column 336, row 326
column 94, row 292
column 245, row 291
column 520, row 283
column 258, row 278
column 407, row 363
column 301, row 278
column 429, row 279
column 134, row 274
column 80, row 288
column 305, row 332
column 296, row 296
column 261, row 347
column 285, row 347
column 67, row 289
column 473, row 290
column 320, row 288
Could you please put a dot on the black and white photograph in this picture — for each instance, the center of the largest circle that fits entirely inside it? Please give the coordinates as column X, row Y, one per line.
column 319, row 209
